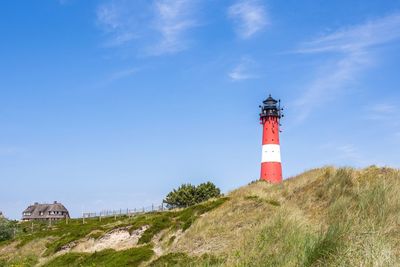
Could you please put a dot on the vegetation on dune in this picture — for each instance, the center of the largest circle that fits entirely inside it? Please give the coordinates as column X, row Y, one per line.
column 329, row 217
column 25, row 261
column 180, row 219
column 184, row 260
column 106, row 258
column 323, row 217
column 188, row 195
column 63, row 235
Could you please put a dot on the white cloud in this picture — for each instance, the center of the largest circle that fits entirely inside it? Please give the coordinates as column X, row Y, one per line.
column 331, row 80
column 173, row 19
column 243, row 70
column 120, row 21
column 353, row 47
column 136, row 23
column 356, row 38
column 249, row 16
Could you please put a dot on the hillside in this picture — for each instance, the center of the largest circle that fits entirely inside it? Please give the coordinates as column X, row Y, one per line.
column 323, row 217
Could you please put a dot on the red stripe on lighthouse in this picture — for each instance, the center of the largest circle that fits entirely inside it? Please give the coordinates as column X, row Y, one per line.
column 270, row 131
column 271, row 172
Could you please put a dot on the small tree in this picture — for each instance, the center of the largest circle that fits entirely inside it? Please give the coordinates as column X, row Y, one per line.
column 187, row 195
column 6, row 229
column 206, row 191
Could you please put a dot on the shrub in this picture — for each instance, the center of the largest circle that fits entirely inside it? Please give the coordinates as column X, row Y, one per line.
column 6, row 229
column 188, row 195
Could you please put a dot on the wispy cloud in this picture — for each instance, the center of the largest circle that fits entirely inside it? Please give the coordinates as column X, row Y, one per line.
column 249, row 16
column 344, row 153
column 121, row 21
column 243, row 70
column 122, row 74
column 173, row 19
column 349, row 152
column 382, row 111
column 135, row 23
column 352, row 48
column 356, row 38
column 386, row 114
column 116, row 76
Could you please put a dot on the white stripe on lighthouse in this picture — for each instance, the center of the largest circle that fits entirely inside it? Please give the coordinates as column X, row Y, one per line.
column 271, row 153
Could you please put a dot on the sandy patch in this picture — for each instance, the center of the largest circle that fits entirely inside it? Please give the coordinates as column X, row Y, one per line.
column 117, row 239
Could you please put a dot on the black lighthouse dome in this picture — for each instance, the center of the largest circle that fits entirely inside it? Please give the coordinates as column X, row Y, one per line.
column 270, row 101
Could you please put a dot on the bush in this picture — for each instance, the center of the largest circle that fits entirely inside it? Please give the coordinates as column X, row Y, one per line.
column 188, row 195
column 6, row 229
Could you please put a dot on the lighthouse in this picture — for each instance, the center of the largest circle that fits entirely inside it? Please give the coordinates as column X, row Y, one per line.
column 271, row 167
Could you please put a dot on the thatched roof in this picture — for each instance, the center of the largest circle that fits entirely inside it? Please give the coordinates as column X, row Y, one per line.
column 45, row 211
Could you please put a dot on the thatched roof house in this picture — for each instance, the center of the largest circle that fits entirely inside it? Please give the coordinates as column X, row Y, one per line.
column 55, row 211
column 1, row 214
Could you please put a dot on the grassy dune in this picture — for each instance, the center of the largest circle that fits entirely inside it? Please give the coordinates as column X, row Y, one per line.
column 323, row 217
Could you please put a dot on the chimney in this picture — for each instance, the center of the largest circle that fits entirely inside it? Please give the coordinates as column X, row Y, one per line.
column 55, row 202
column 36, row 203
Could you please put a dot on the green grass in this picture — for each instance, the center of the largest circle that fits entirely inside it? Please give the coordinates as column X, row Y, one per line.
column 257, row 199
column 183, row 260
column 27, row 261
column 322, row 248
column 106, row 258
column 181, row 219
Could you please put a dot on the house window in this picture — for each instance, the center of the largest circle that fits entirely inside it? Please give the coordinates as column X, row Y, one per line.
column 41, row 213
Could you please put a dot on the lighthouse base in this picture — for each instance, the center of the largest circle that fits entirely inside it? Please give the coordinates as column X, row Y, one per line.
column 271, row 172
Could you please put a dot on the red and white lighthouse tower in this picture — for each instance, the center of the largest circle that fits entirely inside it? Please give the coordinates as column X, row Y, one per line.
column 271, row 168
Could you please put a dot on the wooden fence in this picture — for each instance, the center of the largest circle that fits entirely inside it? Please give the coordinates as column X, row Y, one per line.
column 123, row 212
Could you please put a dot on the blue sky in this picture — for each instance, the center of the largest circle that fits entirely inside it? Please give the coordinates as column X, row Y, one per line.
column 110, row 104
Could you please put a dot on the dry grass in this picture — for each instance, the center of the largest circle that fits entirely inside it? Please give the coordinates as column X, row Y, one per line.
column 326, row 216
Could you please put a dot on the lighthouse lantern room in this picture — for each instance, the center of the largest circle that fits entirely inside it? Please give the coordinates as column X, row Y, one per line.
column 271, row 167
